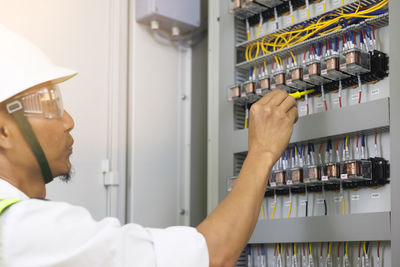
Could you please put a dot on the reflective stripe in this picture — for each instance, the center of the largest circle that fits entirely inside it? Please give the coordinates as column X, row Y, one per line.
column 5, row 203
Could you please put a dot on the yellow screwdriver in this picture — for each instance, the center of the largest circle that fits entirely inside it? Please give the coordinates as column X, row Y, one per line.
column 298, row 94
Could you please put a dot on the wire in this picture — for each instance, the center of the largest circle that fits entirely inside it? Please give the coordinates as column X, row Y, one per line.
column 359, row 249
column 347, row 247
column 330, row 248
column 377, row 249
column 343, row 206
column 338, row 250
column 262, row 211
column 322, row 247
column 310, row 248
column 322, row 25
column 274, row 209
column 365, row 250
column 295, row 249
column 290, row 209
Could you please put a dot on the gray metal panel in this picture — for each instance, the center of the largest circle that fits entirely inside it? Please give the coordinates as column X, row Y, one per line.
column 351, row 119
column 355, row 227
column 395, row 127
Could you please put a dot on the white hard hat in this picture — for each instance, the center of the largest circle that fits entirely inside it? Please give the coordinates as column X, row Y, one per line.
column 23, row 65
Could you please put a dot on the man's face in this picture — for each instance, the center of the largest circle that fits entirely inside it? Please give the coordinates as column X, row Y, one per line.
column 54, row 137
column 56, row 141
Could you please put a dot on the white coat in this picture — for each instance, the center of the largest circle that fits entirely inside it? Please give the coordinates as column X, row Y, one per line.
column 38, row 233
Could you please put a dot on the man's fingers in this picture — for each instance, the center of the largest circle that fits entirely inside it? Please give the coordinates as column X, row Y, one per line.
column 274, row 97
column 288, row 103
column 293, row 114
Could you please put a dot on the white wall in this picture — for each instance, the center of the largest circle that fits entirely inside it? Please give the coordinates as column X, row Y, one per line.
column 75, row 34
column 153, row 134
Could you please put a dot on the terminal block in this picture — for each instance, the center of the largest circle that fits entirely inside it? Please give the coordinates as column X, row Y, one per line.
column 357, row 62
column 238, row 10
column 280, row 81
column 270, row 3
column 311, row 174
column 265, row 84
column 356, row 169
column 234, row 92
column 294, row 176
column 332, row 70
column 254, row 6
column 297, row 79
column 313, row 75
column 277, row 178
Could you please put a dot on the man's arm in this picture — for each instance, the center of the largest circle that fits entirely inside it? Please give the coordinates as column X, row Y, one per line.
column 228, row 228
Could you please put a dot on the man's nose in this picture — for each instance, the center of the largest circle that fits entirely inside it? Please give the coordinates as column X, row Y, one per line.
column 68, row 121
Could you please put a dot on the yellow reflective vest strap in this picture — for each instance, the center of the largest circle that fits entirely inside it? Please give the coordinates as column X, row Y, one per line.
column 5, row 203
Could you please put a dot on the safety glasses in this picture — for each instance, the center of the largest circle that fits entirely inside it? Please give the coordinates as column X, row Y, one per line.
column 45, row 103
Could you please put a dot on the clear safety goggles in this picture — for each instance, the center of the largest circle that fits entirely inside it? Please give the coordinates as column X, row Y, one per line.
column 45, row 102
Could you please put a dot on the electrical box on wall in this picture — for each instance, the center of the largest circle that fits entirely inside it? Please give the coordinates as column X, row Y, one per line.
column 184, row 14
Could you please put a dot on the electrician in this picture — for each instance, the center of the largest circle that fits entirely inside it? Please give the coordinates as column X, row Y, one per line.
column 35, row 146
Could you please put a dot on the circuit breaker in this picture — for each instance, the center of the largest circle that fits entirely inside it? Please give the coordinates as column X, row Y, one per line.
column 329, row 201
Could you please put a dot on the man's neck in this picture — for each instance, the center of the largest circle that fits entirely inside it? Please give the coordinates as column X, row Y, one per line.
column 29, row 182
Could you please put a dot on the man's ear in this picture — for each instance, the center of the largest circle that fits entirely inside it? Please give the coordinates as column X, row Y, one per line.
column 6, row 126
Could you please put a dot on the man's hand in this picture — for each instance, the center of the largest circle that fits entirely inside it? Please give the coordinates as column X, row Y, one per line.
column 271, row 123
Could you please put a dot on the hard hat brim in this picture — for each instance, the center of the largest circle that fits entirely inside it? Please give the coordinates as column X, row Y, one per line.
column 55, row 75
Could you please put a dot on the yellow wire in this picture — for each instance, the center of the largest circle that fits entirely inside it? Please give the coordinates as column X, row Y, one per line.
column 324, row 5
column 295, row 249
column 295, row 150
column 343, row 206
column 347, row 244
column 290, row 209
column 330, row 248
column 365, row 250
column 347, row 139
column 294, row 58
column 273, row 211
column 262, row 211
column 310, row 246
column 290, row 38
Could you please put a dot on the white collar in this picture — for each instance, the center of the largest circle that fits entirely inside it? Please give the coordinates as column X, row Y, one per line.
column 7, row 190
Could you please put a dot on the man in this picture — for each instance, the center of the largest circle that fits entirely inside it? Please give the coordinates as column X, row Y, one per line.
column 35, row 145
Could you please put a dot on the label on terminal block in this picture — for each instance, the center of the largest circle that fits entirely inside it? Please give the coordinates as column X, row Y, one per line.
column 337, row 199
column 289, row 182
column 344, row 176
column 324, row 178
column 355, row 197
column 324, row 72
column 273, row 184
column 375, row 91
column 303, row 202
column 375, row 195
column 320, row 201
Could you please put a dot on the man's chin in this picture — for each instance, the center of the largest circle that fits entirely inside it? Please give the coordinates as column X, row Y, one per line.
column 66, row 177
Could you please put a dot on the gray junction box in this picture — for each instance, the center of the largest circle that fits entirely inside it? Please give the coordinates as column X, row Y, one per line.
column 184, row 14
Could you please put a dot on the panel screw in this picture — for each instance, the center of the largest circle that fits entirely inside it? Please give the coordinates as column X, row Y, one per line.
column 182, row 212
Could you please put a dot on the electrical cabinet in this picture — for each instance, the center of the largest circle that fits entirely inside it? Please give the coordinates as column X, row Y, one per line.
column 254, row 47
